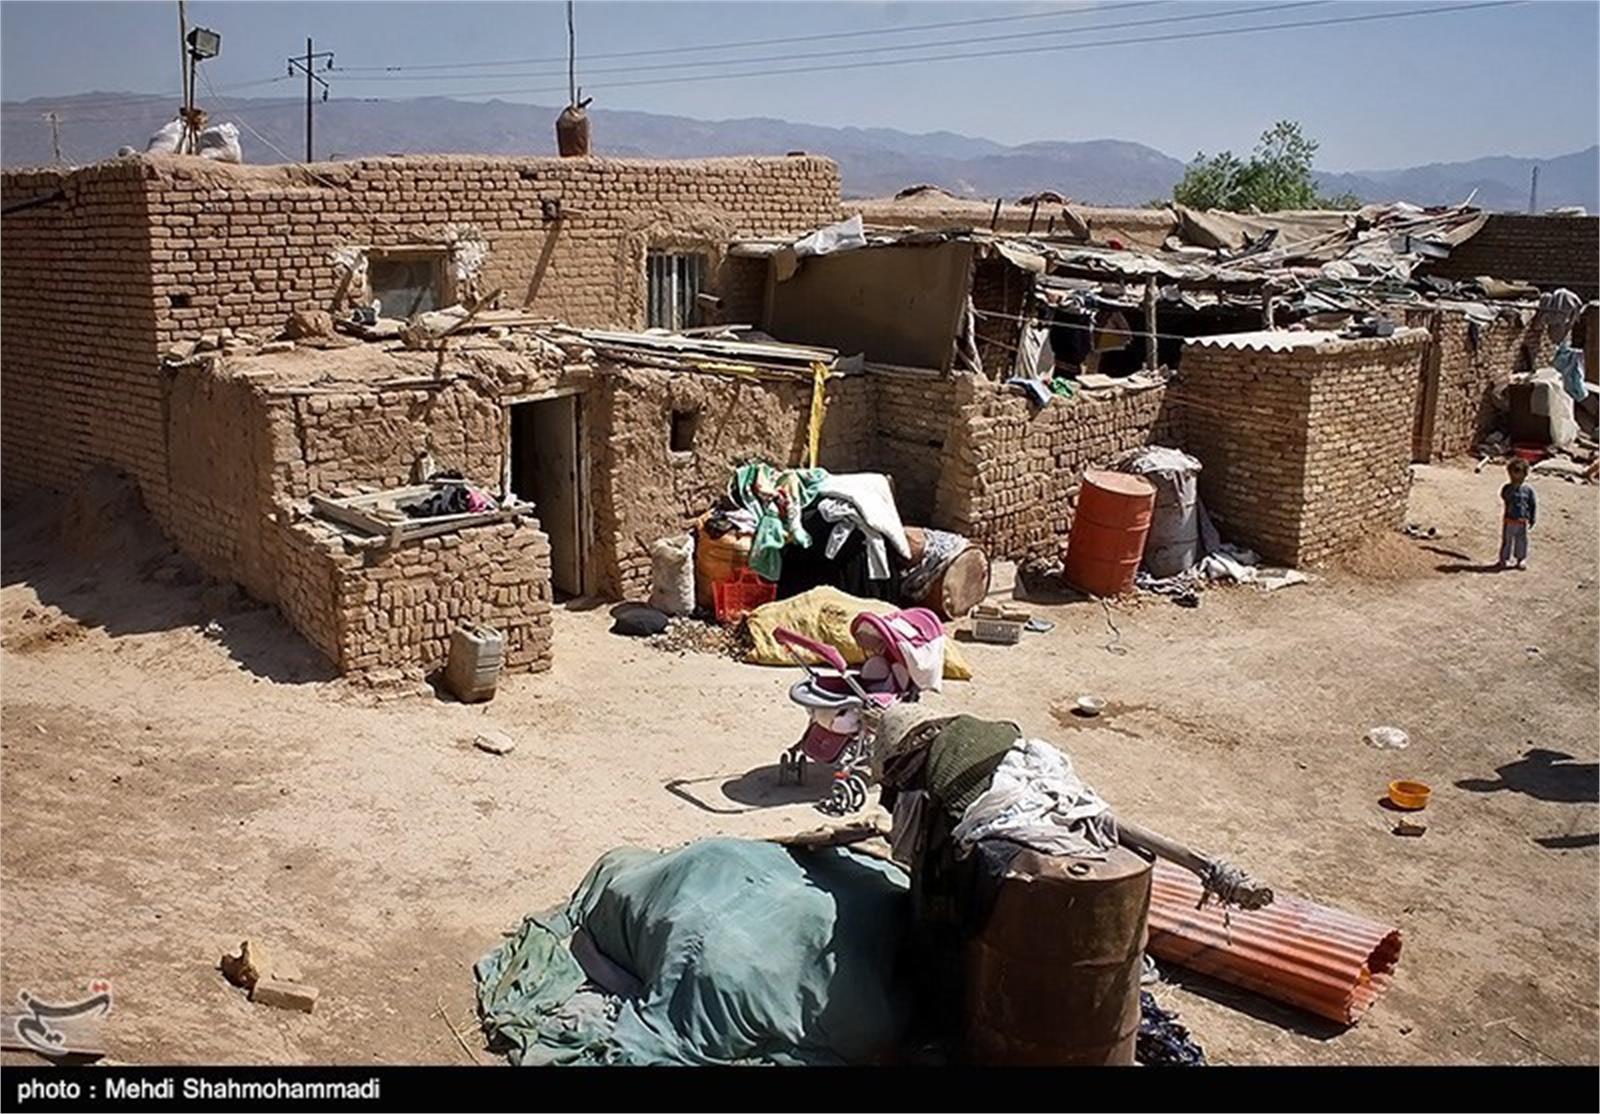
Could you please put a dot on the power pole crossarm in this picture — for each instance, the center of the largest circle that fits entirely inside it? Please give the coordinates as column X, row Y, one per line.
column 305, row 65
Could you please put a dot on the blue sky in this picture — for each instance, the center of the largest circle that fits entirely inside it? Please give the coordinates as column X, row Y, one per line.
column 1519, row 80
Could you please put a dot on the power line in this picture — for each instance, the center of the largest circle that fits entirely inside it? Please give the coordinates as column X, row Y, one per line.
column 762, row 42
column 1013, row 51
column 856, row 51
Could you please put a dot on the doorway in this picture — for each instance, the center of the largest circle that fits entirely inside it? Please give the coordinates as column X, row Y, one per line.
column 546, row 470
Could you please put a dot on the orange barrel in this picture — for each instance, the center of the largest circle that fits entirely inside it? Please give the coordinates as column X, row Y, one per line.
column 961, row 586
column 717, row 560
column 1108, row 532
column 1053, row 976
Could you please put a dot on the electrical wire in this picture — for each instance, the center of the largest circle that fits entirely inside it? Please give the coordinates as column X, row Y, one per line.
column 856, row 51
column 758, row 42
column 969, row 56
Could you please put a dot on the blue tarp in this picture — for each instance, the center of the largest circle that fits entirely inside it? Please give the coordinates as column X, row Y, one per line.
column 746, row 951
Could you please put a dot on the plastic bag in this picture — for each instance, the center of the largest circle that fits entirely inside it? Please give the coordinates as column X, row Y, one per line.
column 1388, row 738
column 672, row 575
column 167, row 140
column 221, row 142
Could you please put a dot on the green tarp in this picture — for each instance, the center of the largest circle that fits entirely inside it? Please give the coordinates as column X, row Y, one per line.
column 747, row 952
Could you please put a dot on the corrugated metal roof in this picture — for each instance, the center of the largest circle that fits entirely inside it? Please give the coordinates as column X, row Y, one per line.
column 1322, row 960
column 1268, row 340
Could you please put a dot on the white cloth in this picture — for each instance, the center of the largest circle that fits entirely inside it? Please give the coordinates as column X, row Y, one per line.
column 924, row 661
column 843, row 236
column 847, row 520
column 868, row 505
column 1037, row 800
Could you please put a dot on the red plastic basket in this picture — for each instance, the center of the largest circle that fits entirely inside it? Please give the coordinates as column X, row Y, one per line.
column 741, row 595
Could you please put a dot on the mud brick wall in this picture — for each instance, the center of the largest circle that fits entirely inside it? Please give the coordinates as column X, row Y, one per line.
column 222, row 451
column 644, row 490
column 1010, row 473
column 245, row 246
column 1305, row 451
column 911, row 416
column 999, row 297
column 78, row 313
column 1461, row 371
column 367, row 608
column 1547, row 251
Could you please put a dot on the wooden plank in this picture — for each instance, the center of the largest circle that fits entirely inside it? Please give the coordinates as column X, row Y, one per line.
column 349, row 516
column 80, row 1036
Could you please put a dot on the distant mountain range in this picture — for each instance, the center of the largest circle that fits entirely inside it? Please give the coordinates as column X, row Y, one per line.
column 873, row 161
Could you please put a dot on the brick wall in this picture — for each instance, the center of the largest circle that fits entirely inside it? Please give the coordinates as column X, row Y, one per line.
column 78, row 367
column 1009, row 473
column 1460, row 372
column 644, row 490
column 366, row 608
column 911, row 420
column 146, row 251
column 245, row 246
column 1546, row 251
column 1307, row 450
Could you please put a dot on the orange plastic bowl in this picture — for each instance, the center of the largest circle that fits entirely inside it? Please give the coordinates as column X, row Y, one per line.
column 1409, row 795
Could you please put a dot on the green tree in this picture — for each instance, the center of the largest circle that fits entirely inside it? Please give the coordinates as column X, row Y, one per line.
column 1278, row 175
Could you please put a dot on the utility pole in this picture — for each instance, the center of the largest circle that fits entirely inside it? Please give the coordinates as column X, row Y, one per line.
column 304, row 65
column 184, row 145
column 572, row 58
column 55, row 134
column 1533, row 192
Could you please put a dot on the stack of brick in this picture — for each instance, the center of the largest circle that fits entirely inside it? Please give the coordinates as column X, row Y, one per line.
column 1306, row 442
column 1010, row 472
column 368, row 607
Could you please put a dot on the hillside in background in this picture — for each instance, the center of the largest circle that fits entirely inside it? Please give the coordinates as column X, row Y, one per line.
column 873, row 161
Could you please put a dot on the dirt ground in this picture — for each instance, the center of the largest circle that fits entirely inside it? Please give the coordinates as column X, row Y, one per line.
column 168, row 792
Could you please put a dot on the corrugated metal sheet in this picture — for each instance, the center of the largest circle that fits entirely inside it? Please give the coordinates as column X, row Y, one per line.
column 1325, row 961
column 1264, row 340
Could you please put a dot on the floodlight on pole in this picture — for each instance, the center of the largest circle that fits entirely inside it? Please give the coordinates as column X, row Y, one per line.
column 204, row 43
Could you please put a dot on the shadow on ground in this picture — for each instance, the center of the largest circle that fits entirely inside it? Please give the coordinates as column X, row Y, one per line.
column 122, row 576
column 1546, row 775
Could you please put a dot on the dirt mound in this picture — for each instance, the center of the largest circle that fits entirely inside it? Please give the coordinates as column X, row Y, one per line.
column 104, row 518
column 39, row 628
column 1391, row 555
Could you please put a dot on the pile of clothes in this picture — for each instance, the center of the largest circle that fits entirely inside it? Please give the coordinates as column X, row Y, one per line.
column 814, row 527
column 451, row 495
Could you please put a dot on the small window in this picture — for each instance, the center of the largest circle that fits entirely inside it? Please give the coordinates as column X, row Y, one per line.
column 407, row 284
column 685, row 424
column 674, row 281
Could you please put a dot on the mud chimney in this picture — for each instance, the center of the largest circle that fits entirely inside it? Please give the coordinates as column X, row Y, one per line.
column 572, row 130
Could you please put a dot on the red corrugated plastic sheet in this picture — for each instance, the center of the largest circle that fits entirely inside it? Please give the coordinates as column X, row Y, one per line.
column 1325, row 961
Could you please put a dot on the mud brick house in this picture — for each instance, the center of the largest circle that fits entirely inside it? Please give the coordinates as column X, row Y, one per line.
column 143, row 301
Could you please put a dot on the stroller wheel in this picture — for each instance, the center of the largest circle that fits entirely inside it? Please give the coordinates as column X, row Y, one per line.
column 786, row 768
column 856, row 787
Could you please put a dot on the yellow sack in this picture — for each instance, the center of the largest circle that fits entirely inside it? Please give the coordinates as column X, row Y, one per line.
column 825, row 614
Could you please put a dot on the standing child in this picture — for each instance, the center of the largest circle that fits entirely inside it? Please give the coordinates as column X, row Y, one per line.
column 1521, row 508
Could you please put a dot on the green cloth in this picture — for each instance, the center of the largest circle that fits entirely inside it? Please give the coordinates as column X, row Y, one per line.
column 962, row 760
column 776, row 498
column 747, row 953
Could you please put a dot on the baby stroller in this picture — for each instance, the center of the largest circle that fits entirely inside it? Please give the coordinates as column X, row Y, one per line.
column 904, row 655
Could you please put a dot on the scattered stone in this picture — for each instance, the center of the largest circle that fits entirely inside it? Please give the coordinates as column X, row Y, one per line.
column 285, row 995
column 1407, row 826
column 272, row 346
column 495, row 742
column 242, row 970
column 686, row 635
column 182, row 350
column 208, row 342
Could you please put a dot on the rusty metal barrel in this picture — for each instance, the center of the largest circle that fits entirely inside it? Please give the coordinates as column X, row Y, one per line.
column 1053, row 977
column 572, row 132
column 1108, row 532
